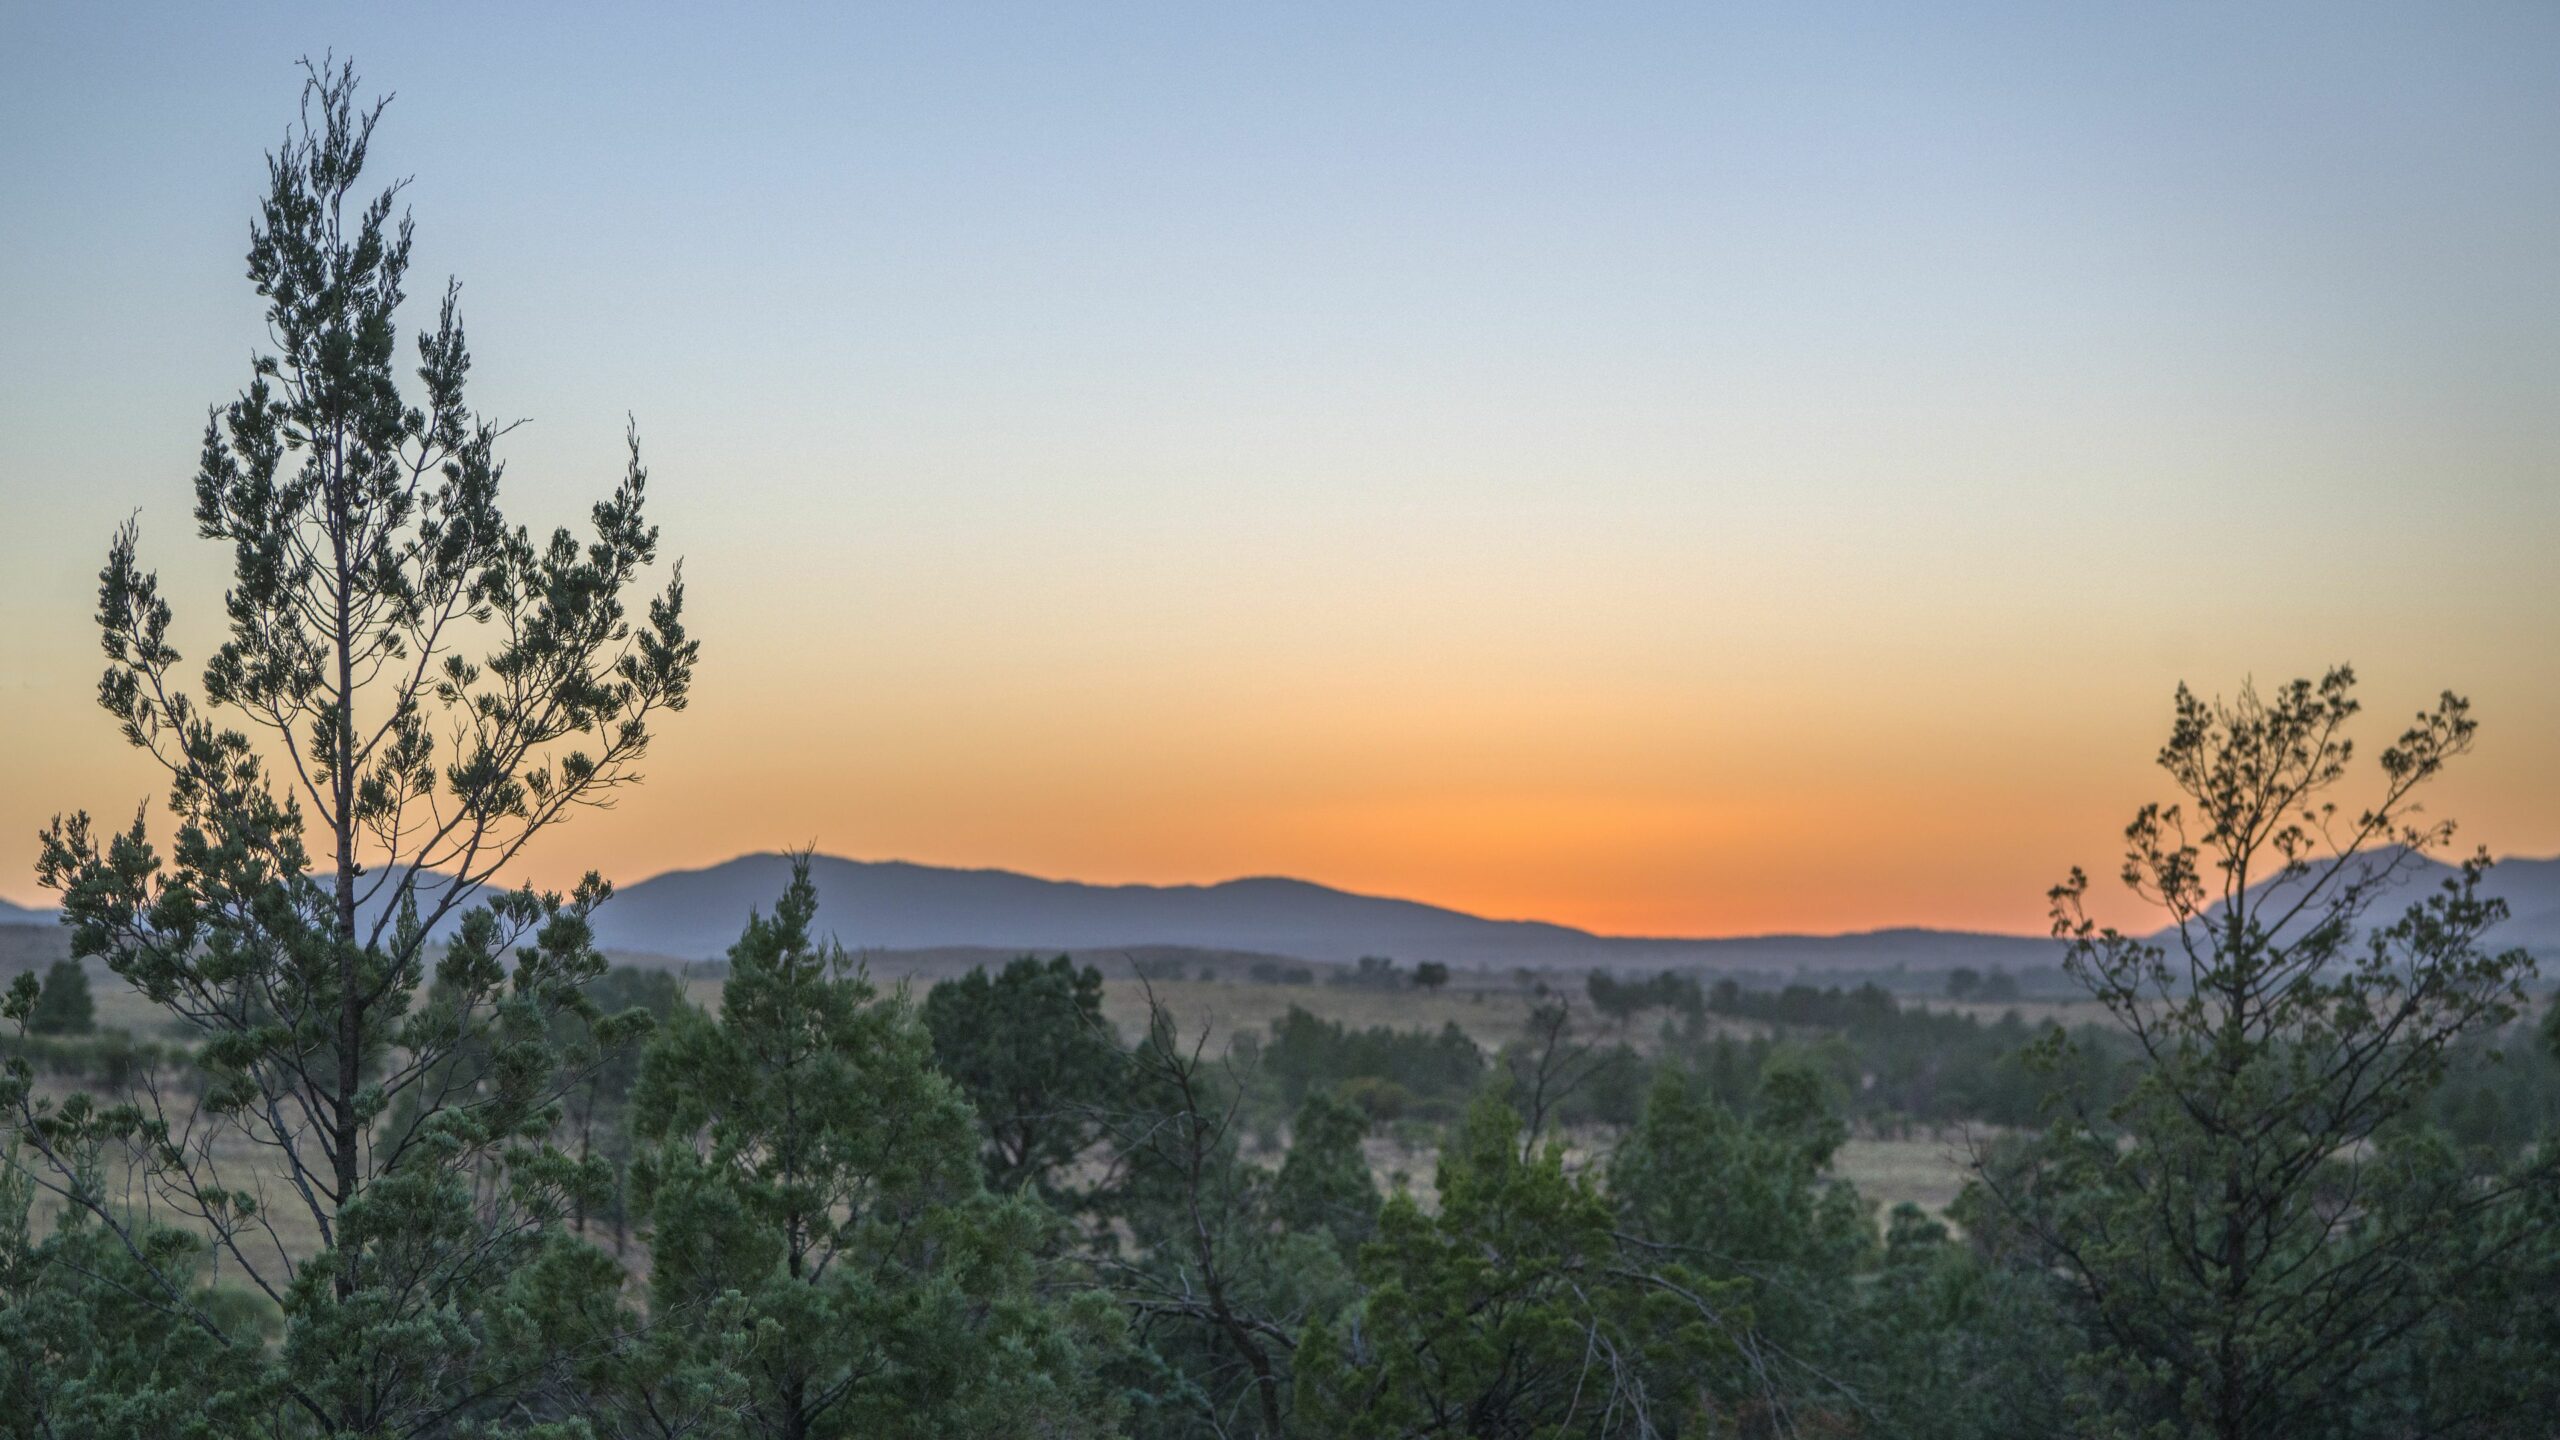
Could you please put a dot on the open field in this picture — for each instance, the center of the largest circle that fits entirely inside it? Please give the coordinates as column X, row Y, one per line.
column 1219, row 1010
column 1490, row 1009
column 286, row 1232
column 2036, row 1013
column 1928, row 1173
column 1490, row 1014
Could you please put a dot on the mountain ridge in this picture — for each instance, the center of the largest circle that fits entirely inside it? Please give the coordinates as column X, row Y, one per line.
column 907, row 905
column 903, row 905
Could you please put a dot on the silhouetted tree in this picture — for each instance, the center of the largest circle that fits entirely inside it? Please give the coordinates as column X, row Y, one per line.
column 63, row 1006
column 1192, row 1239
column 1374, row 972
column 410, row 691
column 2253, row 1230
column 1324, row 1185
column 1545, row 1067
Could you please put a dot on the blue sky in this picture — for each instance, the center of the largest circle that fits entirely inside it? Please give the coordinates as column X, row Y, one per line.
column 1663, row 467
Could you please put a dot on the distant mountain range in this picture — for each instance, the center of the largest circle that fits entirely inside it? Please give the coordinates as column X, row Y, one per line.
column 895, row 905
column 2531, row 889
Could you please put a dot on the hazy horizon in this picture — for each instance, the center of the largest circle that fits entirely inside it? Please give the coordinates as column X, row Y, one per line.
column 1657, row 472
column 2037, row 932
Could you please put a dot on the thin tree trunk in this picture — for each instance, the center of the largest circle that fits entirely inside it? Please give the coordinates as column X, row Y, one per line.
column 343, row 1114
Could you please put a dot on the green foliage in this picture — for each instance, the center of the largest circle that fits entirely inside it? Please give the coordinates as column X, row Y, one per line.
column 1558, row 1078
column 1624, row 999
column 63, row 1006
column 1373, row 972
column 2257, row 1230
column 1515, row 1309
column 1919, row 1338
column 111, row 1059
column 1907, row 1063
column 602, row 1047
column 1324, row 1186
column 2500, row 1092
column 97, row 1341
column 346, row 783
column 2481, row 1356
column 1612, row 1093
column 1954, row 1341
column 1751, row 1199
column 1306, row 1053
column 1192, row 1240
column 2308, row 1184
column 1030, row 1050
column 814, row 1183
column 1966, row 983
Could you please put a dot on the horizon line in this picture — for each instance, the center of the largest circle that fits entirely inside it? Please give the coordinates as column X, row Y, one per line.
column 1765, row 935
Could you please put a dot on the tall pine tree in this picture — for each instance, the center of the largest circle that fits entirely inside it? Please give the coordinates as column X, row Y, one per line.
column 411, row 690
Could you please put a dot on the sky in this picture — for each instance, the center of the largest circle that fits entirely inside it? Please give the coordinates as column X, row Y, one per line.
column 1674, row 470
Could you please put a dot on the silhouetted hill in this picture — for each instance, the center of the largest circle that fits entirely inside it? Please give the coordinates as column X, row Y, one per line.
column 2531, row 889
column 894, row 905
column 898, row 906
column 31, row 947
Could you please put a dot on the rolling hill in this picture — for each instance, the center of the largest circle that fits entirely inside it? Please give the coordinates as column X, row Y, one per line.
column 895, row 905
column 2531, row 889
column 899, row 906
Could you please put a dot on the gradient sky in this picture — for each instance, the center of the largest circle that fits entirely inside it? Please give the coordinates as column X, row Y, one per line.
column 1692, row 469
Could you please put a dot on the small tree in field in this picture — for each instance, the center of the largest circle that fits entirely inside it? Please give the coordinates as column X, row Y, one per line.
column 410, row 691
column 63, row 1006
column 2257, row 1226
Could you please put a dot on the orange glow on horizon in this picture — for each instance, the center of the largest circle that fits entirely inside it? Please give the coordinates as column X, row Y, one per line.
column 1639, row 474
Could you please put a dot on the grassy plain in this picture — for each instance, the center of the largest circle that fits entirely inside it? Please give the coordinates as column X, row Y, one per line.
column 1490, row 1009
